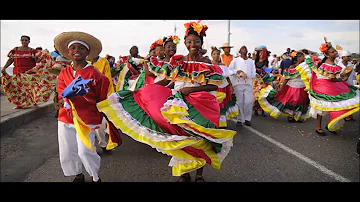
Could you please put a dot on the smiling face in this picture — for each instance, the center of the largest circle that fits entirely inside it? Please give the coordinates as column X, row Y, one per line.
column 332, row 53
column 159, row 51
column 78, row 52
column 170, row 48
column 215, row 55
column 193, row 44
column 24, row 41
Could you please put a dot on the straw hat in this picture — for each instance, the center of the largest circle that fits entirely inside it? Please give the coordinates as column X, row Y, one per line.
column 62, row 40
column 226, row 45
column 56, row 68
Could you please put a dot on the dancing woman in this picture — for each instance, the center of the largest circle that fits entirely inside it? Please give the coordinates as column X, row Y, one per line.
column 328, row 93
column 182, row 122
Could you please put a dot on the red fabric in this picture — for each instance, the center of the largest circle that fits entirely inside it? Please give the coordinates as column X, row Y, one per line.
column 151, row 103
column 197, row 153
column 293, row 96
column 86, row 108
column 149, row 79
column 227, row 91
column 328, row 87
column 206, row 104
column 114, row 133
column 335, row 114
column 23, row 60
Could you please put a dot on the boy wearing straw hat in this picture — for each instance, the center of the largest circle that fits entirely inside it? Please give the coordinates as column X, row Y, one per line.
column 77, row 149
column 226, row 57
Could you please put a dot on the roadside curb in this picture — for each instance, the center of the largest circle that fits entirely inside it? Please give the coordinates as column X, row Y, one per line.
column 17, row 119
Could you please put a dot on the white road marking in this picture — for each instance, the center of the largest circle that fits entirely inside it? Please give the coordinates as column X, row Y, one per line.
column 300, row 156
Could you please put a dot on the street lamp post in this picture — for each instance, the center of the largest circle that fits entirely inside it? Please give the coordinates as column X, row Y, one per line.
column 229, row 32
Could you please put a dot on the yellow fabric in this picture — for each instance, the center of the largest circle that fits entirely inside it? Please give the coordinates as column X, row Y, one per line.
column 103, row 66
column 333, row 127
column 358, row 78
column 220, row 96
column 172, row 148
column 110, row 145
column 304, row 77
column 174, row 116
column 81, row 128
column 122, row 74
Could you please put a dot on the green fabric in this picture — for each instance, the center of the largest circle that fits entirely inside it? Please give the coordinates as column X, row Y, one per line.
column 199, row 119
column 141, row 81
column 230, row 103
column 281, row 107
column 128, row 103
column 337, row 98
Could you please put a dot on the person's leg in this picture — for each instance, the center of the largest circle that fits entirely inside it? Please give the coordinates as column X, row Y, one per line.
column 239, row 92
column 68, row 152
column 318, row 128
column 199, row 175
column 101, row 136
column 248, row 104
column 90, row 159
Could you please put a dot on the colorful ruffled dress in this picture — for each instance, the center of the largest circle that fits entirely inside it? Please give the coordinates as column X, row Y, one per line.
column 184, row 127
column 291, row 101
column 32, row 86
column 228, row 107
column 336, row 98
column 126, row 75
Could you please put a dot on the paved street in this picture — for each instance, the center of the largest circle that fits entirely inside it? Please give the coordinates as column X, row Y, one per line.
column 268, row 151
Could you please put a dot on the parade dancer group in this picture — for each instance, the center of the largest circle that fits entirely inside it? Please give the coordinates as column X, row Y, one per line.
column 180, row 104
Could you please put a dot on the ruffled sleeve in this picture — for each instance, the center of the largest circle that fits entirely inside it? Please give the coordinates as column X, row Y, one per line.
column 226, row 71
column 329, row 71
column 162, row 68
column 305, row 70
column 11, row 53
column 199, row 72
column 290, row 73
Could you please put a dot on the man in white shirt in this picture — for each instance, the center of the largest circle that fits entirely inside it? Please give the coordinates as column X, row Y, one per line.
column 245, row 71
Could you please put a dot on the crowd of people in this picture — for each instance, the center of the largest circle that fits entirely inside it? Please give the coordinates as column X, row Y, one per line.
column 177, row 104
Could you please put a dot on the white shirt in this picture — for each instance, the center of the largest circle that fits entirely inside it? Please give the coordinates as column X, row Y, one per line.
column 352, row 75
column 247, row 66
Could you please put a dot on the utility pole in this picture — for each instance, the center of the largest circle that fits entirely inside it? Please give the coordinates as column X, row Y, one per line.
column 229, row 32
column 175, row 28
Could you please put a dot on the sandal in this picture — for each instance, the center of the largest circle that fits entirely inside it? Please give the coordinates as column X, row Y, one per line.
column 184, row 178
column 199, row 179
column 320, row 133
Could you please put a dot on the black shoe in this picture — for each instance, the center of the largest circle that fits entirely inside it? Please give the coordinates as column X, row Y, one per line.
column 332, row 132
column 106, row 151
column 79, row 178
column 238, row 123
column 247, row 123
column 320, row 133
column 358, row 147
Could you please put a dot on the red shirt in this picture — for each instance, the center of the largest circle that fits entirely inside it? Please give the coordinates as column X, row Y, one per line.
column 23, row 60
column 86, row 108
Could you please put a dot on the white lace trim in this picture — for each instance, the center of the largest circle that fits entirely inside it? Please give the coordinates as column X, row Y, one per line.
column 337, row 105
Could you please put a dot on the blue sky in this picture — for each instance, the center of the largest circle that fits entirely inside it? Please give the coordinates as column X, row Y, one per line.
column 118, row 36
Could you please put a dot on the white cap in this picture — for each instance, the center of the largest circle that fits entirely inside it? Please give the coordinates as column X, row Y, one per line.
column 345, row 53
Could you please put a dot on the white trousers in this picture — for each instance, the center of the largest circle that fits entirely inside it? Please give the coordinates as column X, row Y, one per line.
column 101, row 134
column 74, row 154
column 245, row 101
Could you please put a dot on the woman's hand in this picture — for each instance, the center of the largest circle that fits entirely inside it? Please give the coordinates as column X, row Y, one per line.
column 61, row 102
column 186, row 90
column 3, row 70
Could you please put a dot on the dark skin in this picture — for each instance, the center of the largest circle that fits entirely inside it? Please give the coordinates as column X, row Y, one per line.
column 330, row 55
column 216, row 61
column 78, row 53
column 134, row 52
column 24, row 47
column 170, row 49
column 193, row 44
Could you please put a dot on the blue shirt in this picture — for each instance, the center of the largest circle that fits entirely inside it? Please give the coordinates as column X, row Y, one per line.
column 285, row 63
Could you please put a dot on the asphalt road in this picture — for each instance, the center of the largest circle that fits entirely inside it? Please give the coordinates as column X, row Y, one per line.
column 269, row 151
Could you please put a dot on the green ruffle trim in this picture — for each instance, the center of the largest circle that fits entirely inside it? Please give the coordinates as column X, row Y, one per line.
column 199, row 119
column 337, row 98
column 288, row 75
column 117, row 69
column 129, row 105
column 230, row 103
column 281, row 107
column 268, row 79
